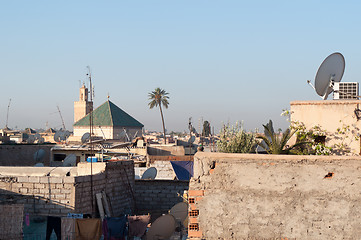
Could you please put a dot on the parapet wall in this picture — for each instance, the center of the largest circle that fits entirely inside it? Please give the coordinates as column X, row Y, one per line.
column 58, row 191
column 250, row 196
column 23, row 154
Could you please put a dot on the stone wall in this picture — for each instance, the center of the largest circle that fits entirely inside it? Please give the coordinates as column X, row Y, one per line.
column 250, row 196
column 23, row 154
column 58, row 191
column 158, row 196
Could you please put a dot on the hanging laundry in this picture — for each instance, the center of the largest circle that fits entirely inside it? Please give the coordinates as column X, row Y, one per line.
column 88, row 229
column 138, row 225
column 53, row 223
column 115, row 228
column 67, row 228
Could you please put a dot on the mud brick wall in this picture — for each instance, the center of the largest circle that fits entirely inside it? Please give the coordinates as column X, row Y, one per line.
column 158, row 196
column 254, row 196
column 118, row 183
column 59, row 195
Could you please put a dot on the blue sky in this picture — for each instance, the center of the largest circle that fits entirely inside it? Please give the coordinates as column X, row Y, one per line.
column 223, row 61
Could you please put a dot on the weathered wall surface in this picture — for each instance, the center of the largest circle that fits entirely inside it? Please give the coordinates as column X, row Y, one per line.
column 159, row 150
column 11, row 221
column 249, row 196
column 158, row 196
column 23, row 154
column 331, row 115
column 58, row 191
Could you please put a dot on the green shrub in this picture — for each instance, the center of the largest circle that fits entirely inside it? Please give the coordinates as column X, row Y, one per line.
column 233, row 139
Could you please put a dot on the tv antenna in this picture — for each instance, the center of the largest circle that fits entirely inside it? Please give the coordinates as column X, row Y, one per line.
column 330, row 71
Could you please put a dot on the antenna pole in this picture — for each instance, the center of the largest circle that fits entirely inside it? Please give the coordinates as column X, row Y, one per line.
column 91, row 140
column 7, row 115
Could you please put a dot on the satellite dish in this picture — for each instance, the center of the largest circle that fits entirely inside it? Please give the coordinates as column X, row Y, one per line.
column 179, row 211
column 39, row 155
column 37, row 136
column 162, row 228
column 69, row 161
column 149, row 174
column 330, row 71
column 61, row 135
column 85, row 138
column 57, row 136
column 31, row 139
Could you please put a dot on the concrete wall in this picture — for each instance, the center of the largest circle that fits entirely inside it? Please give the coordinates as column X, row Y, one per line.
column 331, row 115
column 250, row 196
column 58, row 191
column 158, row 196
column 23, row 154
column 159, row 150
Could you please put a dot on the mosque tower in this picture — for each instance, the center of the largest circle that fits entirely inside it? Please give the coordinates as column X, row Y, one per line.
column 83, row 106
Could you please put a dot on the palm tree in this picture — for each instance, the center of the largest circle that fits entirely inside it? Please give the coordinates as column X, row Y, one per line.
column 275, row 144
column 159, row 97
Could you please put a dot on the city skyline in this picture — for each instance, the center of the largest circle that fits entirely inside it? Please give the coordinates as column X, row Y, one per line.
column 220, row 61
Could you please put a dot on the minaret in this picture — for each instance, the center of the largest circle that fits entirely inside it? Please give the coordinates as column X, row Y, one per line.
column 83, row 106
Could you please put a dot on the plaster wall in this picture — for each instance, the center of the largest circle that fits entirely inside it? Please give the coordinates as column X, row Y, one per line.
column 250, row 196
column 331, row 115
column 158, row 150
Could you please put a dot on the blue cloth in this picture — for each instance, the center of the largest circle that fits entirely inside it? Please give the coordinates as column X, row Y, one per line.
column 183, row 169
column 116, row 227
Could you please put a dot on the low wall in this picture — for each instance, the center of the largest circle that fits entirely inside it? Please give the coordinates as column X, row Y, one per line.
column 165, row 150
column 23, row 154
column 250, row 196
column 58, row 191
column 158, row 196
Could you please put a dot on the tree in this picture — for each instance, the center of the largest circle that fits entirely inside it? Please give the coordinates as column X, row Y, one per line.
column 159, row 97
column 206, row 129
column 233, row 139
column 275, row 143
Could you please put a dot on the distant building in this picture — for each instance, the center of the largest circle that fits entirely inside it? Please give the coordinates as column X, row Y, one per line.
column 109, row 121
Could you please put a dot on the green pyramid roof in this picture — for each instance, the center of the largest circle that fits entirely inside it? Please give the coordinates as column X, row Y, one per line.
column 108, row 114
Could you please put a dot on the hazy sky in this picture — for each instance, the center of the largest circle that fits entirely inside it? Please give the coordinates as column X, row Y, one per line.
column 225, row 61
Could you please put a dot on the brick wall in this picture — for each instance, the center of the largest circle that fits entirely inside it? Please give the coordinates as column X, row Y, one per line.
column 158, row 196
column 118, row 183
column 255, row 196
column 59, row 195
